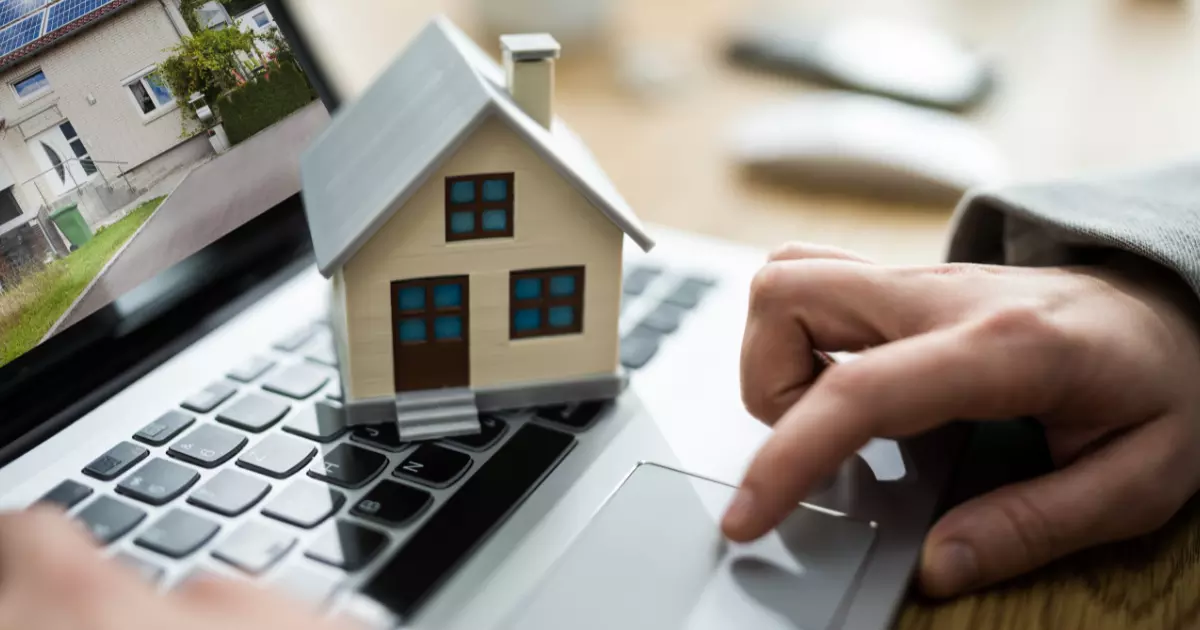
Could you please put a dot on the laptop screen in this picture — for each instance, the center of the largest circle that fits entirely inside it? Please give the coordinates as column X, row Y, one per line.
column 132, row 143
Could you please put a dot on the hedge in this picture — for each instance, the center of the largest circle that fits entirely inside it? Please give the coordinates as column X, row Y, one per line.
column 261, row 103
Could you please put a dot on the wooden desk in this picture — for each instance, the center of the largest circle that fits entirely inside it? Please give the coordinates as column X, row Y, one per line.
column 1085, row 85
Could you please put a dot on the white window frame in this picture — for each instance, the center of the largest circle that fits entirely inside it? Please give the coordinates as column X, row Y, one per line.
column 25, row 100
column 157, row 112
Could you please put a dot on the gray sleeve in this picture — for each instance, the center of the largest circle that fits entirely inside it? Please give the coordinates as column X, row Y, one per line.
column 1153, row 215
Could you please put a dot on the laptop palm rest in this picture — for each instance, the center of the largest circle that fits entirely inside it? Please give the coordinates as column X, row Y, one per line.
column 654, row 557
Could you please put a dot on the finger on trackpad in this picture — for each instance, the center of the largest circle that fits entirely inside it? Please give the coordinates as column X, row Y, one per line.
column 654, row 557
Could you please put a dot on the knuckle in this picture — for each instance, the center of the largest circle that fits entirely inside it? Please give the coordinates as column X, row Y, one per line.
column 1029, row 323
column 1035, row 535
column 848, row 381
column 768, row 283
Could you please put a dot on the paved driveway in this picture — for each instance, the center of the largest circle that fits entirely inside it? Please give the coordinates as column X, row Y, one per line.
column 215, row 199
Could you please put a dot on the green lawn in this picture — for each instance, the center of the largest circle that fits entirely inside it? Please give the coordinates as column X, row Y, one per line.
column 28, row 310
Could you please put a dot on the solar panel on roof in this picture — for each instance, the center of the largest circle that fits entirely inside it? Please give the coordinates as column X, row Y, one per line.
column 11, row 10
column 68, row 11
column 21, row 33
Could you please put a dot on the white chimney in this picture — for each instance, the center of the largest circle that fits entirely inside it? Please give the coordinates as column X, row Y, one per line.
column 529, row 63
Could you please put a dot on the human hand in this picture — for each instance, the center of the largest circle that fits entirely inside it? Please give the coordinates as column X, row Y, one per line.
column 52, row 577
column 1107, row 360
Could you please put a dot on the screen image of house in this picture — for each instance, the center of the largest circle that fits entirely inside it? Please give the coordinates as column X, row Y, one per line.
column 96, row 136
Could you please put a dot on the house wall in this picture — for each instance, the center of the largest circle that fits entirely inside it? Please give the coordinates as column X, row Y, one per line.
column 93, row 62
column 554, row 226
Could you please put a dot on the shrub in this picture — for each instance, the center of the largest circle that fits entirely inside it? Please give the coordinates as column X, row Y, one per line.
column 261, row 103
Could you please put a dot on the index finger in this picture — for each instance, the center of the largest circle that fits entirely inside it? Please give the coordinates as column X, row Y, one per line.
column 1000, row 367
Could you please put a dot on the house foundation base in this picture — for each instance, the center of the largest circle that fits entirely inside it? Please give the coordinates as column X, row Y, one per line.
column 518, row 396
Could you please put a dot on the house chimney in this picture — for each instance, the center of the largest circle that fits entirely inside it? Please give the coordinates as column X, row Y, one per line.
column 529, row 63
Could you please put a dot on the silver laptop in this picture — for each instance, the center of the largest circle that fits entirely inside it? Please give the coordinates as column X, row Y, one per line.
column 184, row 403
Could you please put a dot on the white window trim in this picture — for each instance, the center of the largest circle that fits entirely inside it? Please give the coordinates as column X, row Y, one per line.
column 25, row 100
column 161, row 110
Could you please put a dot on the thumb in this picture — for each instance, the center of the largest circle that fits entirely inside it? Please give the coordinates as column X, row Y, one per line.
column 1112, row 494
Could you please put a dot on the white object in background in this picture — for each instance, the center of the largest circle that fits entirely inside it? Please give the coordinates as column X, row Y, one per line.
column 867, row 144
column 567, row 20
column 218, row 139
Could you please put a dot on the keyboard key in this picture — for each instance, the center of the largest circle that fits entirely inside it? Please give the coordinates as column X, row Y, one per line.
column 148, row 571
column 254, row 547
column 117, row 460
column 463, row 522
column 348, row 466
column 109, row 519
column 492, row 429
column 305, row 504
column 347, row 546
column 66, row 494
column 230, row 493
column 307, row 585
column 321, row 351
column 208, row 398
column 335, row 392
column 164, row 429
column 384, row 436
column 277, row 456
column 574, row 415
column 208, row 446
column 251, row 369
column 392, row 504
column 297, row 381
column 254, row 412
column 322, row 422
column 177, row 534
column 689, row 292
column 158, row 482
column 638, row 279
column 293, row 341
column 638, row 347
column 434, row 465
column 665, row 318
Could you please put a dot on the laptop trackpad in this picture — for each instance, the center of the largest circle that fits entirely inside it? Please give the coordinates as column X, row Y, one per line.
column 654, row 557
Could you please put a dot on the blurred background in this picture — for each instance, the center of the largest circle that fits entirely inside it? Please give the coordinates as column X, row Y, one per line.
column 693, row 107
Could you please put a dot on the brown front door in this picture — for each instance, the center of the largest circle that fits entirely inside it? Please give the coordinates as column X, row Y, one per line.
column 429, row 333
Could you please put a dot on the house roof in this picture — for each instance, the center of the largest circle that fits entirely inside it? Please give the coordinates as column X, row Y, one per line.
column 60, row 35
column 379, row 150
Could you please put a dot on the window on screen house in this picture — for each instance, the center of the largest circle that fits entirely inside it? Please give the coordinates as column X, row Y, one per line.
column 150, row 93
column 546, row 302
column 31, row 86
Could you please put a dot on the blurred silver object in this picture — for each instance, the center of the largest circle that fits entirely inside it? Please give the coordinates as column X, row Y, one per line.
column 868, row 146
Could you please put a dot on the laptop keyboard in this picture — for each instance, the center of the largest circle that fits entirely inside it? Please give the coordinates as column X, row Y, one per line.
column 255, row 472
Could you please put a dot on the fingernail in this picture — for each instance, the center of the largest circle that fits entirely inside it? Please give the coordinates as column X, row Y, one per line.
column 953, row 567
column 741, row 510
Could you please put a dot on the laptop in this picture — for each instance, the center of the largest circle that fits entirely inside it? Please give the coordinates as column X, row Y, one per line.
column 185, row 408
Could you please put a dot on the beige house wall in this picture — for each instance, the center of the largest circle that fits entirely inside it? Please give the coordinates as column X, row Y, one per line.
column 93, row 63
column 555, row 226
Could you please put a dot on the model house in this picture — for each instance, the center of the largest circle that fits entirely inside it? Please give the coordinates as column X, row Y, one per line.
column 474, row 245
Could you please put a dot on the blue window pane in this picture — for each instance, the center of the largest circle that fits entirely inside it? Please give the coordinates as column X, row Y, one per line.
column 447, row 296
column 495, row 190
column 562, row 286
column 449, row 327
column 462, row 192
column 528, row 289
column 412, row 330
column 495, row 221
column 527, row 319
column 562, row 316
column 412, row 298
column 462, row 222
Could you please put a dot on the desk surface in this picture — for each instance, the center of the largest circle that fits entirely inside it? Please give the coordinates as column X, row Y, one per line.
column 1084, row 86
